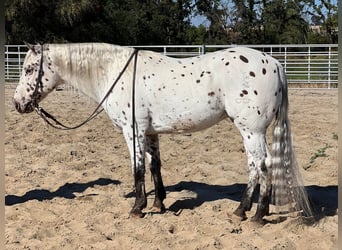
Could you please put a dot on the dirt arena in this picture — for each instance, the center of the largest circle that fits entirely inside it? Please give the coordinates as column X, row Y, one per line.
column 74, row 189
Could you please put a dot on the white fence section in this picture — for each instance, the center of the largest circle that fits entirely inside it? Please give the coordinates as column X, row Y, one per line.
column 309, row 65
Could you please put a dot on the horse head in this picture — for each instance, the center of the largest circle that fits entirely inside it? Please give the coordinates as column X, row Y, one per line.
column 38, row 78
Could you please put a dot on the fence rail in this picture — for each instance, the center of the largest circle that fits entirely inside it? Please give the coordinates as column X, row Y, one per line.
column 309, row 65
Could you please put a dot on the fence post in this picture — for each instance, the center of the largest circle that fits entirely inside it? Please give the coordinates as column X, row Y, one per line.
column 285, row 58
column 329, row 62
column 203, row 49
column 6, row 63
column 309, row 64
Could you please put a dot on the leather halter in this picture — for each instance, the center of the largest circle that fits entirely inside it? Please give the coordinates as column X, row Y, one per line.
column 58, row 125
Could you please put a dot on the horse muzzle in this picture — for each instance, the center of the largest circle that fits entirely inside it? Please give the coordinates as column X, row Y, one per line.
column 24, row 108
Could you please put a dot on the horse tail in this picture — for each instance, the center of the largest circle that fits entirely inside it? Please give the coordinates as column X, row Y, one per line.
column 287, row 185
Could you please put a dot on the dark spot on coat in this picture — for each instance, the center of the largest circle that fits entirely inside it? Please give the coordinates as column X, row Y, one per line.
column 264, row 71
column 198, row 81
column 245, row 92
column 244, row 59
column 227, row 63
column 252, row 74
column 255, row 92
column 182, row 75
column 259, row 113
column 212, row 93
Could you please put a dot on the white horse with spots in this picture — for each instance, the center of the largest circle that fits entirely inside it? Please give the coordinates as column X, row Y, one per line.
column 175, row 96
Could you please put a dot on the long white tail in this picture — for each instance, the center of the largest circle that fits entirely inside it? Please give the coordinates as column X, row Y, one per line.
column 287, row 185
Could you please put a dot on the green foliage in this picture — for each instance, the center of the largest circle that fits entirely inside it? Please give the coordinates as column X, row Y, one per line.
column 335, row 136
column 138, row 22
column 320, row 153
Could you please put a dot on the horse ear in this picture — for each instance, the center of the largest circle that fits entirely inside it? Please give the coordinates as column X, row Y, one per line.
column 31, row 47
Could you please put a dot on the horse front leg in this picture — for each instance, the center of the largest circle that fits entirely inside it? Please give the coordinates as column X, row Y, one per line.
column 138, row 170
column 139, row 183
column 152, row 143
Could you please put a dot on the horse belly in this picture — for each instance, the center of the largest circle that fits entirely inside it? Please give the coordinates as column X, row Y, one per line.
column 178, row 120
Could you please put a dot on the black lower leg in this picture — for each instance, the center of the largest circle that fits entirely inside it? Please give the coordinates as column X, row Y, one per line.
column 245, row 204
column 160, row 193
column 262, row 209
column 140, row 200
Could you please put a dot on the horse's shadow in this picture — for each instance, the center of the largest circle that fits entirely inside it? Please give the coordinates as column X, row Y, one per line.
column 323, row 200
column 66, row 191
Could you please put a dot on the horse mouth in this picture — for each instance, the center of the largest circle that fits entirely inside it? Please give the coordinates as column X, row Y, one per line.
column 26, row 108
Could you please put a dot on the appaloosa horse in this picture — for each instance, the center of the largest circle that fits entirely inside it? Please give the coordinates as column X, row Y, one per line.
column 169, row 95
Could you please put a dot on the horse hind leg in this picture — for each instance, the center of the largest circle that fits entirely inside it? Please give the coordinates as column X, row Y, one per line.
column 259, row 172
column 152, row 143
column 246, row 200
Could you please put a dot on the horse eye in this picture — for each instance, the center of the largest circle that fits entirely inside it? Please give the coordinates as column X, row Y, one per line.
column 29, row 71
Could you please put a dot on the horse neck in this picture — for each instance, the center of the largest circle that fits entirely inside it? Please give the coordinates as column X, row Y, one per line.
column 89, row 68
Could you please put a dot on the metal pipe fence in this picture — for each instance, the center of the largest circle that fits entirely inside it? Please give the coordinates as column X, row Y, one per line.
column 309, row 65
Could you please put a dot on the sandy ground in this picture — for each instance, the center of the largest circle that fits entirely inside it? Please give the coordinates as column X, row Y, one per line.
column 74, row 189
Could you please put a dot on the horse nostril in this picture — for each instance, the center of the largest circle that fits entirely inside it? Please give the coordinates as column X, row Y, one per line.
column 16, row 105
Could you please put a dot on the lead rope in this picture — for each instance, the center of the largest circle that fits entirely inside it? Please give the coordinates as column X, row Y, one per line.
column 133, row 114
column 46, row 116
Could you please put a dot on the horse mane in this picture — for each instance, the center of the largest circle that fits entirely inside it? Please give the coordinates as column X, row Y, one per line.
column 88, row 63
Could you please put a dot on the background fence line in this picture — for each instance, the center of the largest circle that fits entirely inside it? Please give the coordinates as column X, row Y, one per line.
column 307, row 65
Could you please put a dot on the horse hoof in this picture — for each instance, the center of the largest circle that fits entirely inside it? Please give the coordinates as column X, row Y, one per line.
column 239, row 215
column 136, row 214
column 258, row 221
column 158, row 209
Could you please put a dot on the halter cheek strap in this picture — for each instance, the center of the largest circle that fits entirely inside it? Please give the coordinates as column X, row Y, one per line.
column 39, row 83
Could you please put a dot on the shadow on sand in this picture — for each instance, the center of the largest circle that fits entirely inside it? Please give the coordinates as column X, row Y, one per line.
column 323, row 199
column 66, row 191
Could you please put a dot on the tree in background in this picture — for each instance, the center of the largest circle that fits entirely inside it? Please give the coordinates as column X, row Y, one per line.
column 323, row 13
column 121, row 22
column 145, row 22
column 283, row 22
